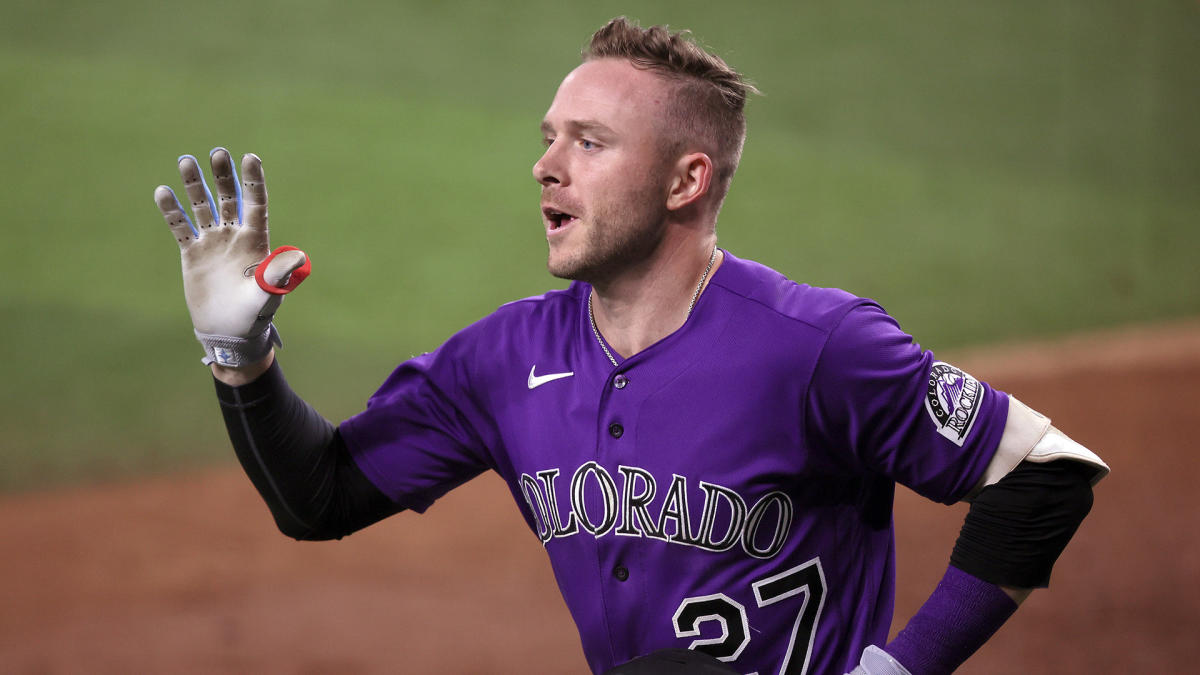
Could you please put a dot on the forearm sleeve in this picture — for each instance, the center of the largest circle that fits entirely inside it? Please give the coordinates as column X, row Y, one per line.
column 298, row 461
column 961, row 614
column 1013, row 534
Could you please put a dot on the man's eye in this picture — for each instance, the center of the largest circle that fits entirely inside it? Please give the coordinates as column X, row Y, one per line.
column 547, row 141
column 586, row 144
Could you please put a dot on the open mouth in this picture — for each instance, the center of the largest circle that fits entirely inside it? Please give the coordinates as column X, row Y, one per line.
column 557, row 220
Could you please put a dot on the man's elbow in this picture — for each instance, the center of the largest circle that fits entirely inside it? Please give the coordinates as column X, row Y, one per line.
column 1017, row 528
column 309, row 529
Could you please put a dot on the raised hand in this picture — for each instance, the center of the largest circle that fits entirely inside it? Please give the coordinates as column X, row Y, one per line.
column 221, row 251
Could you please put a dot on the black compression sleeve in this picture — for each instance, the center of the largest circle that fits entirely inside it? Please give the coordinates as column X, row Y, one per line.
column 298, row 461
column 1016, row 528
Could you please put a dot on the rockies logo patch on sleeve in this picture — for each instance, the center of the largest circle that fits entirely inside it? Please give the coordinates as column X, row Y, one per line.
column 953, row 401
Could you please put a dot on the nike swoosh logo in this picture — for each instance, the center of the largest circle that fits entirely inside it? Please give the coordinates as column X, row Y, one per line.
column 536, row 381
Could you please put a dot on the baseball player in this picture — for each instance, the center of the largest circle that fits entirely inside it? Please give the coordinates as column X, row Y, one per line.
column 706, row 449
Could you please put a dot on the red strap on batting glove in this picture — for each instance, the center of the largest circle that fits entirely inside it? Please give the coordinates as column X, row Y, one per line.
column 299, row 274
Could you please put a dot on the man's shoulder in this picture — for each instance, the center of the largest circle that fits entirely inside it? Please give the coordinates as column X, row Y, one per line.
column 532, row 325
column 553, row 298
column 760, row 286
column 544, row 313
column 563, row 303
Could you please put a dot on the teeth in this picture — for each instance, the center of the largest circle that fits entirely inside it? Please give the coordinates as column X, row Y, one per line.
column 557, row 218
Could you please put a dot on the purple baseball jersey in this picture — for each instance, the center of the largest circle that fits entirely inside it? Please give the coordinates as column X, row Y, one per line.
column 728, row 489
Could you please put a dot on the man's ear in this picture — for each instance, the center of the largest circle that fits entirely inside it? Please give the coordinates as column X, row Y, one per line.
column 691, row 180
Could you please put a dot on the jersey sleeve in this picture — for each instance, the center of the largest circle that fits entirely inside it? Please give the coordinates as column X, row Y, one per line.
column 417, row 438
column 881, row 403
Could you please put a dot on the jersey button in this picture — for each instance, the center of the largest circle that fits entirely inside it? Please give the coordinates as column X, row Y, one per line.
column 620, row 381
column 615, row 430
column 620, row 573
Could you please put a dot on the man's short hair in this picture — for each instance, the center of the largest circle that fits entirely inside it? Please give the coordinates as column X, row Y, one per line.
column 709, row 98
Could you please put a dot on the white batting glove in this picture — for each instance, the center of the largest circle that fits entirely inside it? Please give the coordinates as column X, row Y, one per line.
column 875, row 661
column 231, row 300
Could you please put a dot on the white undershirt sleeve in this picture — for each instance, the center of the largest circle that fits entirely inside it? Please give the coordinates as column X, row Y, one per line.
column 1029, row 436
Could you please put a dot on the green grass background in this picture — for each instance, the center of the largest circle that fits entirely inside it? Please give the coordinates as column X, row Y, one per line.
column 988, row 171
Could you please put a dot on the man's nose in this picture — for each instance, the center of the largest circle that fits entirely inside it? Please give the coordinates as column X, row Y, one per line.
column 548, row 170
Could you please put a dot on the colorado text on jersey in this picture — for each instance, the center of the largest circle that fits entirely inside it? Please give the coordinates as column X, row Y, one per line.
column 597, row 503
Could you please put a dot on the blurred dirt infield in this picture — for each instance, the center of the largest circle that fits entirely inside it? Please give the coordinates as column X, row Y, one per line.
column 188, row 574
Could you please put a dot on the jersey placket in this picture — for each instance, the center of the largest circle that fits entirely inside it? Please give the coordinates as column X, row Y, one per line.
column 622, row 579
column 627, row 582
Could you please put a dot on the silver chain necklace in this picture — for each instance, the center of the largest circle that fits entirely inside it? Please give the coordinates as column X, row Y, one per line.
column 691, row 305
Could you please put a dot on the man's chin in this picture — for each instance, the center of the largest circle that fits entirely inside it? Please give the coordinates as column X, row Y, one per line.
column 571, row 269
column 561, row 271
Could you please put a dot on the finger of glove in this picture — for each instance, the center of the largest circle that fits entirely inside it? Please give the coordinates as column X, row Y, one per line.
column 280, row 269
column 181, row 226
column 266, row 314
column 197, row 192
column 254, row 193
column 229, row 189
column 876, row 661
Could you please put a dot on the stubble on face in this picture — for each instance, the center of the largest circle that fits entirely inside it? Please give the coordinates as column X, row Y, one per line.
column 618, row 232
column 619, row 196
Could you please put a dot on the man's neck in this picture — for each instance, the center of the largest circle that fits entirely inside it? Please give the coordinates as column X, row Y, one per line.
column 650, row 302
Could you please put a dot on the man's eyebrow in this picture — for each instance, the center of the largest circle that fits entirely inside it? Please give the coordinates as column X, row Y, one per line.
column 577, row 126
